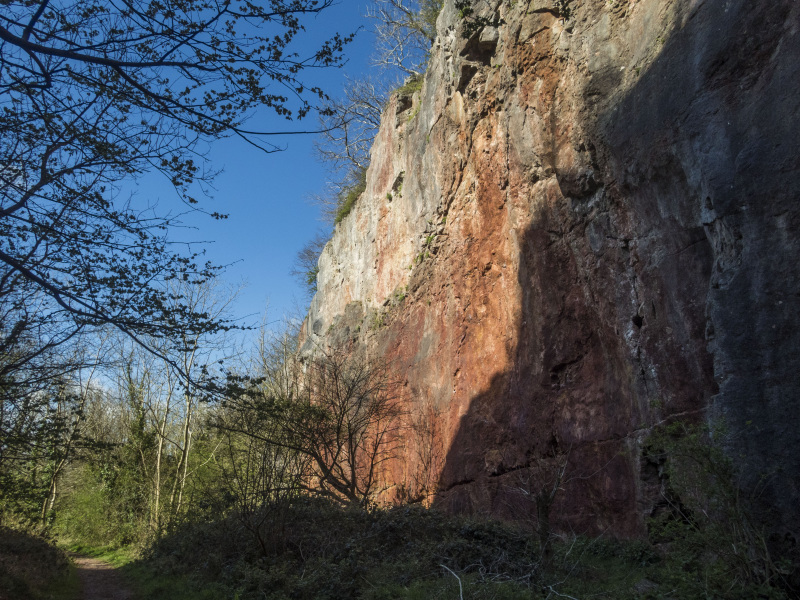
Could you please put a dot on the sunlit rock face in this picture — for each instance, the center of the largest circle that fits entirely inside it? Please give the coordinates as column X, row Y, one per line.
column 583, row 225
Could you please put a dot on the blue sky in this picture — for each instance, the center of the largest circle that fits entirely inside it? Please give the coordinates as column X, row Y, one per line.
column 266, row 195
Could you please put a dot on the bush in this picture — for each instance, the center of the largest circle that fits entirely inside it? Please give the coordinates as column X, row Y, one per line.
column 325, row 551
column 29, row 565
column 349, row 195
column 104, row 508
column 712, row 546
column 412, row 84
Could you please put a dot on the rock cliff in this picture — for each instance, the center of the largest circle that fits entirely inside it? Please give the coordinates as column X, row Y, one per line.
column 585, row 223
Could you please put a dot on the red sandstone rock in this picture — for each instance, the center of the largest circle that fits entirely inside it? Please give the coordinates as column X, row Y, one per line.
column 593, row 228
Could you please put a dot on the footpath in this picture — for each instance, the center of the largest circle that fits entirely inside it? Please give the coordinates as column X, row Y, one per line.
column 100, row 580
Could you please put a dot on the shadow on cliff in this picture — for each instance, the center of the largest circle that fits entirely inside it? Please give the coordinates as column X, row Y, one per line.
column 653, row 290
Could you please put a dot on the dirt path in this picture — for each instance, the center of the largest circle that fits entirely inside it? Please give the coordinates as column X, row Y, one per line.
column 100, row 581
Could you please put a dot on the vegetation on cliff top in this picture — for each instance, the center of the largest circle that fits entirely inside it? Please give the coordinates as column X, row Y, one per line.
column 349, row 195
column 405, row 31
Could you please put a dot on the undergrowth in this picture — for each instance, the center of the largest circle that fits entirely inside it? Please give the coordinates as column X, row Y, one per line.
column 322, row 551
column 701, row 544
column 33, row 568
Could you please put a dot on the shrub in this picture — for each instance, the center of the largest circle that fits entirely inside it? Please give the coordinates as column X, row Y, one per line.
column 29, row 565
column 349, row 195
column 411, row 85
column 336, row 552
column 715, row 549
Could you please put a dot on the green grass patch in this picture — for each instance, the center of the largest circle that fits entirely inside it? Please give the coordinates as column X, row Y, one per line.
column 65, row 587
column 115, row 556
column 149, row 584
column 319, row 551
column 147, row 581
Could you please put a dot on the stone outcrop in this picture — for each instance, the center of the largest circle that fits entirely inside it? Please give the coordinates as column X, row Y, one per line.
column 584, row 224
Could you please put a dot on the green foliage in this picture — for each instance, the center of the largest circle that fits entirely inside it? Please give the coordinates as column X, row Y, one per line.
column 345, row 553
column 419, row 258
column 563, row 9
column 150, row 584
column 111, row 487
column 306, row 264
column 378, row 320
column 349, row 195
column 715, row 548
column 106, row 94
column 412, row 85
column 464, row 9
column 145, row 581
column 428, row 13
column 40, row 429
column 311, row 279
column 116, row 556
column 108, row 505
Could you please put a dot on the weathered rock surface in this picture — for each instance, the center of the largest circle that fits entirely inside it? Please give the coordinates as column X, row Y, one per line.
column 585, row 223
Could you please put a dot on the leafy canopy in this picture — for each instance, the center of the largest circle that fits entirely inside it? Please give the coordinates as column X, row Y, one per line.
column 96, row 92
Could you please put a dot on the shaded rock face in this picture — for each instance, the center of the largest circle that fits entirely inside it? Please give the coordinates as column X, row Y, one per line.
column 585, row 224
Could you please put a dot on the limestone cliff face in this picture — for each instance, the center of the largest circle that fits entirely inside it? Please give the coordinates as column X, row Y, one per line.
column 585, row 223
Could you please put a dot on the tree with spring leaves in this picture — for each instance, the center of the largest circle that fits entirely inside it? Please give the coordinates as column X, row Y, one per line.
column 94, row 93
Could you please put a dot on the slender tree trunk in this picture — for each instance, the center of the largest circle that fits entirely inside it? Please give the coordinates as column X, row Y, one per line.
column 155, row 515
column 187, row 443
column 162, row 435
column 176, row 497
column 50, row 501
column 543, row 505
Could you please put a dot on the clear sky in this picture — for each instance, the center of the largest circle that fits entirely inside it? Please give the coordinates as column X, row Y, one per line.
column 266, row 195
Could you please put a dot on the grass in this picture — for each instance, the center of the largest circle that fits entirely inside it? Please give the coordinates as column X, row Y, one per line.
column 348, row 202
column 149, row 584
column 322, row 551
column 116, row 556
column 318, row 550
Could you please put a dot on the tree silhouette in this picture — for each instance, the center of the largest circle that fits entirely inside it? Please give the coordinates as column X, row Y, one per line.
column 97, row 92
